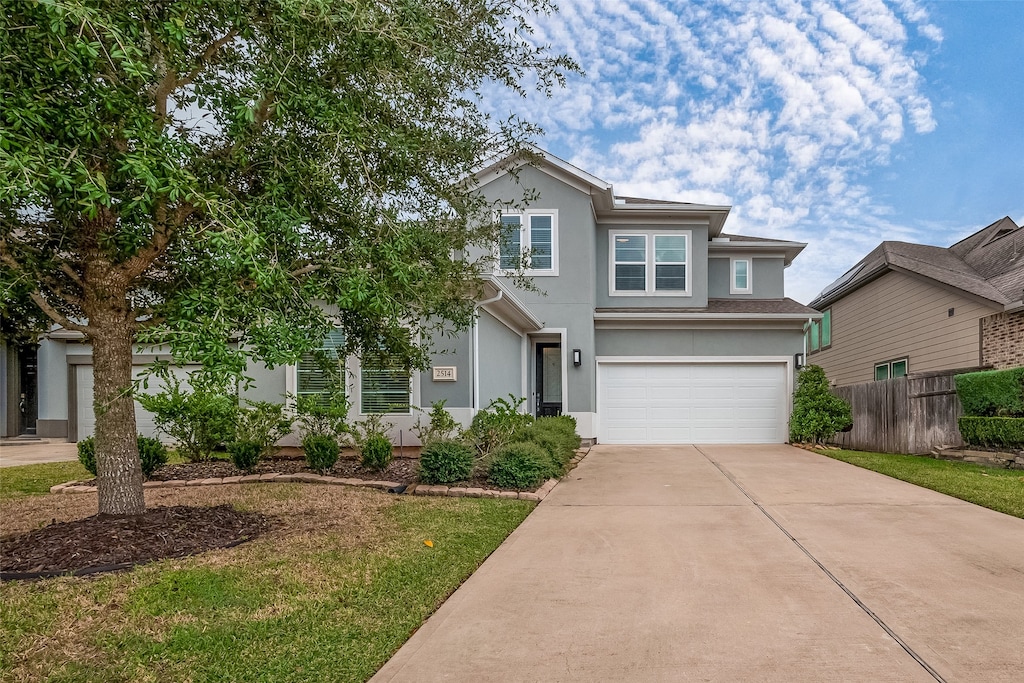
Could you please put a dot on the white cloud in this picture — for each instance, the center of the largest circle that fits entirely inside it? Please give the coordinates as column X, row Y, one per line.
column 776, row 107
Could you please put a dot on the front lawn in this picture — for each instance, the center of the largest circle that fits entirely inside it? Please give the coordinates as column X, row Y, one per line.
column 31, row 480
column 1001, row 490
column 339, row 584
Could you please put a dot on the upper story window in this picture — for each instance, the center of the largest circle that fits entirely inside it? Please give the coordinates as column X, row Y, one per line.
column 650, row 263
column 741, row 280
column 533, row 235
column 818, row 335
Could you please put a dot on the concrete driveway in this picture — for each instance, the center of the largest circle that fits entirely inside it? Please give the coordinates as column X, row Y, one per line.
column 735, row 563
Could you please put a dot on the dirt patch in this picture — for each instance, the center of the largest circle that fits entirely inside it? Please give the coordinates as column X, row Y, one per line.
column 98, row 542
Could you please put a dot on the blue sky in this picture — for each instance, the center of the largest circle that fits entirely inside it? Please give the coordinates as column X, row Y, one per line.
column 839, row 123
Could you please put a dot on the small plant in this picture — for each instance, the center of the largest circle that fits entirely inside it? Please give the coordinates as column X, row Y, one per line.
column 264, row 424
column 442, row 426
column 321, row 451
column 245, row 454
column 497, row 424
column 817, row 412
column 152, row 454
column 445, row 462
column 322, row 414
column 199, row 421
column 87, row 454
column 371, row 436
column 521, row 465
column 556, row 435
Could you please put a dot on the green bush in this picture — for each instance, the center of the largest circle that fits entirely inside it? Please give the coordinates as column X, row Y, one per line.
column 322, row 414
column 993, row 432
column 992, row 393
column 321, row 451
column 557, row 435
column 152, row 454
column 264, row 424
column 520, row 465
column 442, row 426
column 445, row 462
column 497, row 425
column 817, row 412
column 199, row 421
column 376, row 451
column 87, row 454
column 245, row 454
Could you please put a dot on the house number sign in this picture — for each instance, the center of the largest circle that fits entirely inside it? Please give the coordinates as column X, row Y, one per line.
column 444, row 374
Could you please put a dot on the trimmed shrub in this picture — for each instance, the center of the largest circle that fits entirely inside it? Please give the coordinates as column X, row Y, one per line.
column 321, row 451
column 497, row 425
column 376, row 451
column 817, row 412
column 87, row 454
column 992, row 432
column 557, row 435
column 992, row 393
column 445, row 462
column 520, row 465
column 246, row 454
column 152, row 455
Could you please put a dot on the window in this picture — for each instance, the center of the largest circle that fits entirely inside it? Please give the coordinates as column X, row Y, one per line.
column 650, row 263
column 384, row 386
column 741, row 277
column 892, row 369
column 532, row 234
column 322, row 371
column 818, row 335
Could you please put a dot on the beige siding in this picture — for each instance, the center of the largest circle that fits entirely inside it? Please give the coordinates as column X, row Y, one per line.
column 900, row 316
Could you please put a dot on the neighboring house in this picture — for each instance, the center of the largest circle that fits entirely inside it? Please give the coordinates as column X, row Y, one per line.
column 651, row 325
column 911, row 308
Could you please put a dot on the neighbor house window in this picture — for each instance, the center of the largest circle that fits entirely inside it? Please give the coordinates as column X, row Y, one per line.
column 741, row 282
column 384, row 386
column 533, row 235
column 650, row 263
column 818, row 334
column 826, row 329
column 322, row 371
column 892, row 369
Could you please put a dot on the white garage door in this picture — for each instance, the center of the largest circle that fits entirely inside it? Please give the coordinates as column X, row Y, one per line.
column 143, row 419
column 692, row 403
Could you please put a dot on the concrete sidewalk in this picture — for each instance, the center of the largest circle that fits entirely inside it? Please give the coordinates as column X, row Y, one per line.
column 35, row 452
column 735, row 563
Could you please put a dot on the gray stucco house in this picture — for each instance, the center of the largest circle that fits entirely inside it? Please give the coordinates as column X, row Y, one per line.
column 651, row 325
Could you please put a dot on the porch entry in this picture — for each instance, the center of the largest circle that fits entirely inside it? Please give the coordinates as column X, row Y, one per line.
column 548, row 381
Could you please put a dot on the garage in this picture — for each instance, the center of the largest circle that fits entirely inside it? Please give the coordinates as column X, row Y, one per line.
column 692, row 402
column 85, row 416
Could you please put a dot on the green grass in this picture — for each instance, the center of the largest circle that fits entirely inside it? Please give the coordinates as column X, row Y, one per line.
column 998, row 489
column 291, row 607
column 33, row 480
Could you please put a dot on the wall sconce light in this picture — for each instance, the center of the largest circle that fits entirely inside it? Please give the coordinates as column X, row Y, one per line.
column 577, row 358
column 798, row 360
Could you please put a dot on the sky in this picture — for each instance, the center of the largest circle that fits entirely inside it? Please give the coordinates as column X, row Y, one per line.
column 839, row 123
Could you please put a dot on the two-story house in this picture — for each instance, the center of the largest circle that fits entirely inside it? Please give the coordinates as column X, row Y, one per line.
column 648, row 324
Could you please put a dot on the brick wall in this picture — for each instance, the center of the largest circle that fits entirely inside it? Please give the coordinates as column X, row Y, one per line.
column 1002, row 340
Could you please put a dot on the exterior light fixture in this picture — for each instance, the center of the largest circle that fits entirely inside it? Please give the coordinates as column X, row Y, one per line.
column 798, row 360
column 577, row 358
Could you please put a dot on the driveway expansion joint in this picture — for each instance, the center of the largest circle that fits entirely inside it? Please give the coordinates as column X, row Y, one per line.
column 867, row 610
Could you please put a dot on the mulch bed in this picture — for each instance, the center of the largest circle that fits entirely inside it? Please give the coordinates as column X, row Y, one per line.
column 103, row 543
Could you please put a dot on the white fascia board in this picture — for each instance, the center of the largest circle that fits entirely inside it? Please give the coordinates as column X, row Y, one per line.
column 508, row 307
column 708, row 316
column 550, row 164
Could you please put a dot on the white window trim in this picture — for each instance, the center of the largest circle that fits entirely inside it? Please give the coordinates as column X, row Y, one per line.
column 649, row 264
column 733, row 289
column 888, row 365
column 354, row 388
column 525, row 241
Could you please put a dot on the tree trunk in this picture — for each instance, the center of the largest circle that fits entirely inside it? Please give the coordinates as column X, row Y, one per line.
column 118, row 469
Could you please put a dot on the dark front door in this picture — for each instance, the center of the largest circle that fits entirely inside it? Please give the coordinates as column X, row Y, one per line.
column 28, row 389
column 549, row 380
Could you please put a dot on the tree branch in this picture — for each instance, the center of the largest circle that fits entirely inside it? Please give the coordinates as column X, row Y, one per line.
column 59, row 317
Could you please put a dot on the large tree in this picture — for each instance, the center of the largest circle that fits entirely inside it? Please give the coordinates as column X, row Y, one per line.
column 209, row 174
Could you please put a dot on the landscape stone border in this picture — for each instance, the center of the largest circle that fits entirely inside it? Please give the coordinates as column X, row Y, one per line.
column 309, row 478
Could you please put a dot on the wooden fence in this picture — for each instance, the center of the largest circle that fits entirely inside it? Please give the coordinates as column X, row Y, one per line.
column 911, row 414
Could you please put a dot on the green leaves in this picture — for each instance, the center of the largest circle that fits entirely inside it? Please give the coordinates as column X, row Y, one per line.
column 817, row 412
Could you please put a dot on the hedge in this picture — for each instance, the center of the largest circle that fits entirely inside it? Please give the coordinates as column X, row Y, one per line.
column 992, row 393
column 1002, row 432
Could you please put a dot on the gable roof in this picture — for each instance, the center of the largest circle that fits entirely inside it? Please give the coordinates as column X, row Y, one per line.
column 988, row 264
column 607, row 206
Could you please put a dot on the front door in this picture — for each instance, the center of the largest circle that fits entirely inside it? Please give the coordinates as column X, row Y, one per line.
column 549, row 380
column 28, row 389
